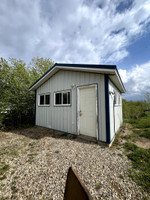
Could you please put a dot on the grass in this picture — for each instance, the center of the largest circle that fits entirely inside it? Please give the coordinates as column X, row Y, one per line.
column 98, row 186
column 145, row 198
column 3, row 198
column 4, row 169
column 130, row 146
column 32, row 144
column 143, row 122
column 140, row 158
column 138, row 133
column 142, row 133
column 1, row 186
column 13, row 153
column 13, row 187
column 119, row 154
column 2, row 177
column 31, row 157
column 121, row 176
column 57, row 151
column 10, row 151
column 116, row 140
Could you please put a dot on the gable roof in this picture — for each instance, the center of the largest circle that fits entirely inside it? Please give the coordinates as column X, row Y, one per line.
column 111, row 70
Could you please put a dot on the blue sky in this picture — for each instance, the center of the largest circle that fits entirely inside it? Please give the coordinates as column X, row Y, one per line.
column 139, row 52
column 82, row 31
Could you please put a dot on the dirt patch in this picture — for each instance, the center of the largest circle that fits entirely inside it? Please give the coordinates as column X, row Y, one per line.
column 125, row 131
column 142, row 142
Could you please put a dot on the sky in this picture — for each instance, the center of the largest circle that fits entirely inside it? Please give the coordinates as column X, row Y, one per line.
column 82, row 31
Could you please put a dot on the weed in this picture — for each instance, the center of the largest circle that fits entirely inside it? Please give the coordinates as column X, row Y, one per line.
column 121, row 176
column 116, row 140
column 130, row 136
column 98, row 186
column 16, row 177
column 143, row 122
column 145, row 198
column 31, row 157
column 138, row 133
column 13, row 153
column 32, row 144
column 64, row 135
column 12, row 172
column 13, row 187
column 10, row 151
column 2, row 177
column 4, row 169
column 57, row 151
column 3, row 198
column 130, row 146
column 1, row 186
column 140, row 158
column 119, row 154
column 143, row 133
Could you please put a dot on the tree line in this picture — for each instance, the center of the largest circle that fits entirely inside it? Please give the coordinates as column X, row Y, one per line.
column 16, row 101
column 136, row 109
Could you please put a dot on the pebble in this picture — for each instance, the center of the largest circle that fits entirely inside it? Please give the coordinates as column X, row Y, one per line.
column 41, row 172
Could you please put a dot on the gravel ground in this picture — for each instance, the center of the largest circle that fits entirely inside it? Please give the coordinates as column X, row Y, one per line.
column 39, row 159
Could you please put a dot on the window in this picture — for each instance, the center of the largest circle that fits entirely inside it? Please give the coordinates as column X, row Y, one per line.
column 44, row 100
column 58, row 98
column 62, row 98
column 41, row 99
column 47, row 99
column 117, row 99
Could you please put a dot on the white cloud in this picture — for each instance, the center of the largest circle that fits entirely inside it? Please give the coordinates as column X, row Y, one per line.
column 80, row 31
column 136, row 80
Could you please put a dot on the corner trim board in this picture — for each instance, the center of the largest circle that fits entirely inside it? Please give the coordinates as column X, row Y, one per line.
column 107, row 109
column 35, row 109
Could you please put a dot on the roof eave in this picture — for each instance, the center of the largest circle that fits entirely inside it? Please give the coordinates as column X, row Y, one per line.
column 72, row 67
column 56, row 68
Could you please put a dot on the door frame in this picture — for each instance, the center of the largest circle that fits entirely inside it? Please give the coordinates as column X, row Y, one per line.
column 97, row 113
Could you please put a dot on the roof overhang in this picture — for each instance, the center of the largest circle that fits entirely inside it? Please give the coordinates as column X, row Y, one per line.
column 111, row 70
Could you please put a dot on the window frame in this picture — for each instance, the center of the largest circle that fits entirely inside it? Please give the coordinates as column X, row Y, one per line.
column 44, row 94
column 117, row 99
column 62, row 92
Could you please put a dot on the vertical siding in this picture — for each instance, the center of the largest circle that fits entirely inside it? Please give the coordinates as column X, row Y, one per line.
column 65, row 118
column 115, row 110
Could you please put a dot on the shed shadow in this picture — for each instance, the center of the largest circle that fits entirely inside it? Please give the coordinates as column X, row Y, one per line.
column 37, row 133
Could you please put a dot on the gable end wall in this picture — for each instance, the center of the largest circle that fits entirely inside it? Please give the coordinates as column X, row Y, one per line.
column 65, row 118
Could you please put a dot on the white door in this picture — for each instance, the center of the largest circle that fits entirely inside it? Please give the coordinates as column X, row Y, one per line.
column 87, row 111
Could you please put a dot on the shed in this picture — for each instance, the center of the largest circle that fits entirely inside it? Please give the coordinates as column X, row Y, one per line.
column 81, row 99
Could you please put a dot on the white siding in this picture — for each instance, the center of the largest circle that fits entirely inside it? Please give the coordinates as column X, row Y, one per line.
column 115, row 110
column 65, row 118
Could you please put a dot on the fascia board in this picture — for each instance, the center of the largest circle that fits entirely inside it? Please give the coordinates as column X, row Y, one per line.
column 94, row 70
column 56, row 68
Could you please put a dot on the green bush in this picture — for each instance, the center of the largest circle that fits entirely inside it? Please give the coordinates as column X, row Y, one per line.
column 134, row 109
column 141, row 161
column 143, row 122
column 130, row 146
column 16, row 101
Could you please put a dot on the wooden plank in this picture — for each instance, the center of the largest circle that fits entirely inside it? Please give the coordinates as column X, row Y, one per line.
column 75, row 189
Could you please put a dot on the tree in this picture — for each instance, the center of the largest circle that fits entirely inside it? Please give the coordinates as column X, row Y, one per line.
column 38, row 66
column 133, row 109
column 16, row 101
column 147, row 99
